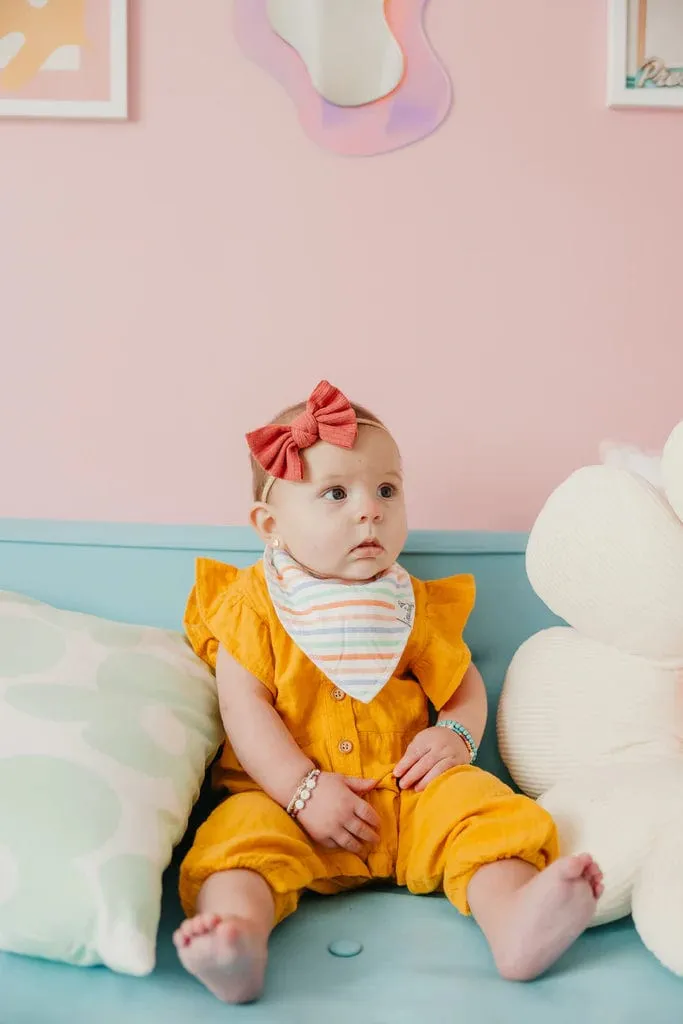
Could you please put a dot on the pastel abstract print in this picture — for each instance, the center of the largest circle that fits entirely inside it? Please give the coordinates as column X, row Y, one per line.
column 63, row 58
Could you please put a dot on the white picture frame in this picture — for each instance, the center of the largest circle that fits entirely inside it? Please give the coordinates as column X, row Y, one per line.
column 638, row 74
column 111, row 103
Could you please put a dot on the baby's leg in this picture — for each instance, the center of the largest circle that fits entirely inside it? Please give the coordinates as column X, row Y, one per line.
column 531, row 918
column 225, row 945
column 248, row 864
column 490, row 848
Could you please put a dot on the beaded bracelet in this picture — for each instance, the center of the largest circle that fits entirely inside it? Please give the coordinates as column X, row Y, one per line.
column 464, row 734
column 303, row 793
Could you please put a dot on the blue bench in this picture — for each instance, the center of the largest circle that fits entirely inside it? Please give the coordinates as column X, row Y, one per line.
column 419, row 958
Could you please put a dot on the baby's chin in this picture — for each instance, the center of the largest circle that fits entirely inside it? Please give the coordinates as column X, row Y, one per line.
column 360, row 570
column 350, row 568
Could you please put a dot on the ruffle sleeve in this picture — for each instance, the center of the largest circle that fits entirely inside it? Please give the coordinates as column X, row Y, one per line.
column 444, row 657
column 220, row 611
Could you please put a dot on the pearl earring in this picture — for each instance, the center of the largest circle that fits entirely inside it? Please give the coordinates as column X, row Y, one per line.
column 275, row 543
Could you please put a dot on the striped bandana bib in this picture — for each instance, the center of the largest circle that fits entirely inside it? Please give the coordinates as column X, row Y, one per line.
column 355, row 633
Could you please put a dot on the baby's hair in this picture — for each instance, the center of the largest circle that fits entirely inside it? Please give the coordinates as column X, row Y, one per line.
column 259, row 476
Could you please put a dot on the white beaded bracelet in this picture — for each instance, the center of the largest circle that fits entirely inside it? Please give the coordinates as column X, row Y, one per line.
column 303, row 793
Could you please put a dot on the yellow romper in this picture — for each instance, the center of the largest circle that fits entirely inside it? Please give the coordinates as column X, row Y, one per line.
column 434, row 840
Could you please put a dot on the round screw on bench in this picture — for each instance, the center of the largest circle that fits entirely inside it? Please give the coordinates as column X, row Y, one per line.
column 345, row 948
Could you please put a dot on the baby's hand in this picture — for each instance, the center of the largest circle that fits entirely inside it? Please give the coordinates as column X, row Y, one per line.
column 432, row 752
column 338, row 816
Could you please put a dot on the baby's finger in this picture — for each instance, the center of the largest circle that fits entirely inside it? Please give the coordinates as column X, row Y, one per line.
column 362, row 831
column 439, row 768
column 425, row 764
column 346, row 841
column 411, row 756
column 359, row 786
column 365, row 812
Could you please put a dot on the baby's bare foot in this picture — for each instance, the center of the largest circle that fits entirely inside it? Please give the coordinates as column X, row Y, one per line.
column 227, row 954
column 546, row 916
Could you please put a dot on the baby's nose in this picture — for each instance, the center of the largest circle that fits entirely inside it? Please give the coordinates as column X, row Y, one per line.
column 370, row 511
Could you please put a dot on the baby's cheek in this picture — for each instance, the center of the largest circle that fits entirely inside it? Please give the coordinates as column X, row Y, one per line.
column 311, row 548
column 328, row 540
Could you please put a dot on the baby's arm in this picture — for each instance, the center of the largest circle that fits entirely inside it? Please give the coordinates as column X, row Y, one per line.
column 336, row 815
column 264, row 746
column 436, row 750
column 468, row 705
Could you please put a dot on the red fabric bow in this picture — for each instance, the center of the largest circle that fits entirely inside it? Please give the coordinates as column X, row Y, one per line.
column 328, row 417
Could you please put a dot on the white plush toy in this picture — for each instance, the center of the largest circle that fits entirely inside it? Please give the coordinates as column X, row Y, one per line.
column 591, row 715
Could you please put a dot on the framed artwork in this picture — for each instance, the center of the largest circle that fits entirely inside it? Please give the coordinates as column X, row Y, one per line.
column 645, row 53
column 63, row 58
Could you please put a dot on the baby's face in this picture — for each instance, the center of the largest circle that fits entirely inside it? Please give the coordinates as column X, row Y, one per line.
column 347, row 519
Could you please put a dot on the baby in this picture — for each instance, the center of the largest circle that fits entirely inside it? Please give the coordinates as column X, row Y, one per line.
column 327, row 657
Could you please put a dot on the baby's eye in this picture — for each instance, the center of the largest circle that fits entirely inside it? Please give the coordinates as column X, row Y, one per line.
column 386, row 491
column 335, row 494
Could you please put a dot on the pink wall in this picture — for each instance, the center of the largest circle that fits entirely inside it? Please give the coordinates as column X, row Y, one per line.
column 506, row 294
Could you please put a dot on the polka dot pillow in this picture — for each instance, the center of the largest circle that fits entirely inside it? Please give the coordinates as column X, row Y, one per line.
column 105, row 734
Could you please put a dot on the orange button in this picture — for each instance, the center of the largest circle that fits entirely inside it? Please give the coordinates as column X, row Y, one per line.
column 345, row 746
column 338, row 694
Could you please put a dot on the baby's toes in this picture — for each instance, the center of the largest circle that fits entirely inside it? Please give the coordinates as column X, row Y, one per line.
column 193, row 927
column 593, row 876
column 577, row 865
column 181, row 936
column 205, row 923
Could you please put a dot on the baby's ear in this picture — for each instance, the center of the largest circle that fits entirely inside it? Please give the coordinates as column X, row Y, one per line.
column 262, row 518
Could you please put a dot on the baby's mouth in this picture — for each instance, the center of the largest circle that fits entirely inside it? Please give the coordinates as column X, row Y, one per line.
column 371, row 546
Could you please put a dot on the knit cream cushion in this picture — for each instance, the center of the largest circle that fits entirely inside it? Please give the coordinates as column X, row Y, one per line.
column 591, row 716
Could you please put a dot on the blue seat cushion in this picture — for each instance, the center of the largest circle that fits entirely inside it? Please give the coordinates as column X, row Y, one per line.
column 419, row 957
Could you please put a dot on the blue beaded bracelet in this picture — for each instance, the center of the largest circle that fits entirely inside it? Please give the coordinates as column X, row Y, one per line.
column 464, row 734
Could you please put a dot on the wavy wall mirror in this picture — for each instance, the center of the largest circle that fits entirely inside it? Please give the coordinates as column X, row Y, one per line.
column 361, row 73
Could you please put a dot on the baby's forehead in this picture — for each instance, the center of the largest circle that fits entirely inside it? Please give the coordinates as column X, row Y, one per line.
column 374, row 450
